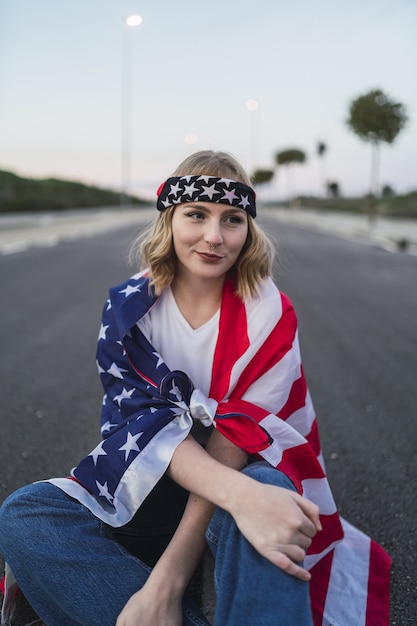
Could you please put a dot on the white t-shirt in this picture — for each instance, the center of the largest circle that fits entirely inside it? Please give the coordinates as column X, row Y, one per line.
column 181, row 346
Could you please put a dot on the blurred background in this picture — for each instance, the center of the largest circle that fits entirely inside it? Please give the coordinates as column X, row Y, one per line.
column 86, row 97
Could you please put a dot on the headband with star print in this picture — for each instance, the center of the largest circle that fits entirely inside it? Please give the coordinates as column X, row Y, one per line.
column 179, row 189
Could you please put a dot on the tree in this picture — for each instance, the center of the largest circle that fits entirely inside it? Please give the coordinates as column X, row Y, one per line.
column 375, row 118
column 333, row 189
column 387, row 191
column 321, row 151
column 260, row 176
column 290, row 156
column 321, row 148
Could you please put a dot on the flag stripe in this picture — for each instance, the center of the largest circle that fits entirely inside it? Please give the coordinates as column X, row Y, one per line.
column 282, row 338
column 378, row 586
column 231, row 344
column 296, row 399
column 320, row 576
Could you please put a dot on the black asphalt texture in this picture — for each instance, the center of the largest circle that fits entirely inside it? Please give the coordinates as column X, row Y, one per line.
column 357, row 311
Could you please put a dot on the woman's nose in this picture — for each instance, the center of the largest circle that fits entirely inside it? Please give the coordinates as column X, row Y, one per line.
column 213, row 233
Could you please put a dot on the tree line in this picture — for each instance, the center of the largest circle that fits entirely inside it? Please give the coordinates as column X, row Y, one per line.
column 18, row 194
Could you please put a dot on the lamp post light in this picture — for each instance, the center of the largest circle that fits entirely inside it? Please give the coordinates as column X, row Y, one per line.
column 252, row 106
column 131, row 22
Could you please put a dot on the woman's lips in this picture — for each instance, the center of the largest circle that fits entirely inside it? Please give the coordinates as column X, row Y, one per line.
column 212, row 258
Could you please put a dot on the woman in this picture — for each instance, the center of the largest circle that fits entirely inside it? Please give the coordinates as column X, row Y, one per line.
column 208, row 434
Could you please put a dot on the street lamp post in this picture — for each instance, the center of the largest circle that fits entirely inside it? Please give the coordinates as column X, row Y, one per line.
column 130, row 23
column 252, row 106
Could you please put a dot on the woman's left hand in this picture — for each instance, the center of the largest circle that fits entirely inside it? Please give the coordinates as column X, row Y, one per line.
column 149, row 607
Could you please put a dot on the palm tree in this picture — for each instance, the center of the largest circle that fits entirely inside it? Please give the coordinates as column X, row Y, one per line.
column 261, row 176
column 289, row 157
column 375, row 118
column 321, row 151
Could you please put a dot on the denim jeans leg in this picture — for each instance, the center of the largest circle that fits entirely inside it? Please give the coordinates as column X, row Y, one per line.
column 250, row 589
column 70, row 570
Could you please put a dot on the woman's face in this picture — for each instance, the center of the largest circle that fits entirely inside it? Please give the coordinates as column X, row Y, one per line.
column 208, row 238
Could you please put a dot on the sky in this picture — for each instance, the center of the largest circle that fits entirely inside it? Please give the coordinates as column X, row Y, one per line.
column 70, row 72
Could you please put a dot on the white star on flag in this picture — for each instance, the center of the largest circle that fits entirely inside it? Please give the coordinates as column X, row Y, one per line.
column 176, row 392
column 130, row 444
column 98, row 451
column 106, row 427
column 116, row 371
column 102, row 332
column 230, row 196
column 104, row 491
column 125, row 395
column 130, row 289
column 159, row 360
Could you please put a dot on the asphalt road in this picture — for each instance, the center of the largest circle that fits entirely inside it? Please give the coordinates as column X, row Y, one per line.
column 357, row 309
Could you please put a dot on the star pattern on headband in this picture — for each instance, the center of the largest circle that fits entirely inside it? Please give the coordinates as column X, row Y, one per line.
column 180, row 189
column 189, row 190
column 229, row 195
column 209, row 191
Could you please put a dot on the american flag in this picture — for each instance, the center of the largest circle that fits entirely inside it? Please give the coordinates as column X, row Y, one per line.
column 258, row 399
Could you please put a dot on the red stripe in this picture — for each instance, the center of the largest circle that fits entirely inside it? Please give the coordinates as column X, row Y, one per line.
column 313, row 438
column 296, row 399
column 241, row 426
column 299, row 463
column 332, row 531
column 377, row 609
column 274, row 348
column 232, row 341
column 319, row 583
column 242, row 406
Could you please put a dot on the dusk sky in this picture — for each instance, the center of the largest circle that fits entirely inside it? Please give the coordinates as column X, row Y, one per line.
column 194, row 67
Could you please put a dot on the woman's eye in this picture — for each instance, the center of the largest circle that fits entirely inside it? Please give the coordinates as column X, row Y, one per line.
column 196, row 215
column 234, row 219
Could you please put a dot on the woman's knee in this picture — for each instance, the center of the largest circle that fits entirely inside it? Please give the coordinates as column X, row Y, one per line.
column 12, row 513
column 17, row 513
column 263, row 472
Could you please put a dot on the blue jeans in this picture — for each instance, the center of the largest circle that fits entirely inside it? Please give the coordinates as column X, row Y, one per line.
column 74, row 573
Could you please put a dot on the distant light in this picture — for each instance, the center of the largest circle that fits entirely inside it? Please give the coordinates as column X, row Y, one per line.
column 134, row 20
column 252, row 105
column 191, row 138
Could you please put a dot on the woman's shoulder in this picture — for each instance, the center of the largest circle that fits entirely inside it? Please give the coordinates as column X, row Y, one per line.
column 269, row 307
column 133, row 284
column 130, row 300
column 269, row 296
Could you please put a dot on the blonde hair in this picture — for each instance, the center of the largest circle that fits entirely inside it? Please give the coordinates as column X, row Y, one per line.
column 155, row 246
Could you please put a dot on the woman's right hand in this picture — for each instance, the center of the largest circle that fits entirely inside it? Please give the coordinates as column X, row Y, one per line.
column 279, row 523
